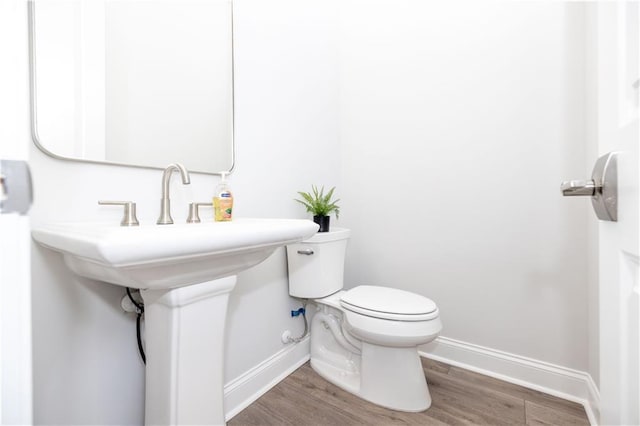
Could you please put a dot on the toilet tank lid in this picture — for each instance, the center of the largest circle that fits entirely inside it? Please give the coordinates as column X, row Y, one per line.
column 388, row 300
column 334, row 234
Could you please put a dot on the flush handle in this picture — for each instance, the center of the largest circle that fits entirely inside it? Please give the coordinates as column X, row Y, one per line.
column 306, row 252
column 602, row 187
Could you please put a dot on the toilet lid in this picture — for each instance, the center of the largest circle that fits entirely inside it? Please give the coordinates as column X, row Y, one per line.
column 388, row 303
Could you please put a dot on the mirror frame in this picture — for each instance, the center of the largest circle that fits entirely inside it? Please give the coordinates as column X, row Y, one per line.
column 34, row 116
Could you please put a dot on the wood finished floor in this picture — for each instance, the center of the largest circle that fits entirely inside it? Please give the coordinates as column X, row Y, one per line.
column 460, row 397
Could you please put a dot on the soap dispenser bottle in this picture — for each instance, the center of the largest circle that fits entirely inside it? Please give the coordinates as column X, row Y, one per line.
column 223, row 201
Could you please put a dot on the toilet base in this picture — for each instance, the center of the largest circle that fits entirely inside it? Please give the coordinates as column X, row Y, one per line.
column 394, row 378
column 390, row 377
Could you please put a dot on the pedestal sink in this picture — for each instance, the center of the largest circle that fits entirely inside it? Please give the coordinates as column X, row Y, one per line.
column 185, row 273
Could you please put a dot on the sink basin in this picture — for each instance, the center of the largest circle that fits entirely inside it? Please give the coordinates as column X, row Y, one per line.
column 169, row 256
column 185, row 274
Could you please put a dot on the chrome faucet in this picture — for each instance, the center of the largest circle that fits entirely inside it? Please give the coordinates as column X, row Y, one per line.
column 165, row 203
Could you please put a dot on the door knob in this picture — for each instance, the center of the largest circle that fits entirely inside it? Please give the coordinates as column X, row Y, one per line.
column 571, row 188
column 16, row 194
column 602, row 187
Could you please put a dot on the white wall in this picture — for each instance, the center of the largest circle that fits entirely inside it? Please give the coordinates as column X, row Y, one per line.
column 447, row 130
column 86, row 364
column 287, row 139
column 458, row 122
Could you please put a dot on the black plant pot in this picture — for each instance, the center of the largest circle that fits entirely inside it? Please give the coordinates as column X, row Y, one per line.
column 323, row 221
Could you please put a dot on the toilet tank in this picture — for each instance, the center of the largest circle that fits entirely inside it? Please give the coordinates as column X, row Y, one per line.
column 316, row 265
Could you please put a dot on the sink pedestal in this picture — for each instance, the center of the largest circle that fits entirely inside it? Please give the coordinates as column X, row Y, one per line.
column 184, row 337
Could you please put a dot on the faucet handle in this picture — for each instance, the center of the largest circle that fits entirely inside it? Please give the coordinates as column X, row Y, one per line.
column 194, row 216
column 129, row 218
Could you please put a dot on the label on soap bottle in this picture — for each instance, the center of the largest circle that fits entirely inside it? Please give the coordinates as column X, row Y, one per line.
column 223, row 207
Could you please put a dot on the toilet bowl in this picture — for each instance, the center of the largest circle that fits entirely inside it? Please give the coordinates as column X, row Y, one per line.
column 364, row 340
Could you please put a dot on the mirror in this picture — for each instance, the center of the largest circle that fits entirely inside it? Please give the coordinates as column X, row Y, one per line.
column 140, row 82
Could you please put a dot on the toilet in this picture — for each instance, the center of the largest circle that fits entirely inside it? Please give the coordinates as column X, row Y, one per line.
column 364, row 340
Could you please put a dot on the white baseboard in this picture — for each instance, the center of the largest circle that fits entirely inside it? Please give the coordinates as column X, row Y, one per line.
column 566, row 383
column 573, row 385
column 242, row 391
column 592, row 404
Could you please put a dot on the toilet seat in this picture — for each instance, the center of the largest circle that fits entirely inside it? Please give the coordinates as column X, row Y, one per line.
column 388, row 303
column 389, row 329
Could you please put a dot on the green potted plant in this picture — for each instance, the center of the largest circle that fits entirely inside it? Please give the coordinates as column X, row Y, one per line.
column 320, row 205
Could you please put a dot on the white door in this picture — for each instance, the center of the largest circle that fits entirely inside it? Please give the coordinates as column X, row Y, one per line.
column 618, row 81
column 15, row 282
